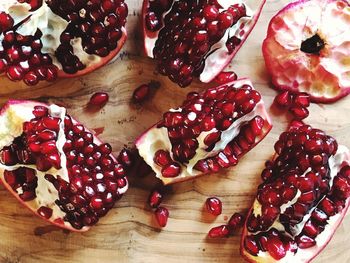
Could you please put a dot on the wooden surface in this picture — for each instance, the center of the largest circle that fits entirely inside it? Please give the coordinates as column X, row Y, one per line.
column 128, row 233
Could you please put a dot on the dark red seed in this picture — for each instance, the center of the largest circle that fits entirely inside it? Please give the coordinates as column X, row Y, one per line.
column 219, row 232
column 162, row 215
column 225, row 77
column 142, row 93
column 162, row 158
column 283, row 99
column 235, row 221
column 99, row 99
column 45, row 212
column 214, row 205
column 171, row 170
column 155, row 198
column 276, row 248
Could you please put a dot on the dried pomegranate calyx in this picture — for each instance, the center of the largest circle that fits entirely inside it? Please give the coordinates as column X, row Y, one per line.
column 56, row 167
column 299, row 206
column 208, row 132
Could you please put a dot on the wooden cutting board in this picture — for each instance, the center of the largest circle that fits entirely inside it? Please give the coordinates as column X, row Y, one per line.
column 129, row 233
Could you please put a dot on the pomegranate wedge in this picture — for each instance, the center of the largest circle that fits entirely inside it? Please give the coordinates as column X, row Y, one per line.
column 307, row 49
column 209, row 131
column 196, row 38
column 302, row 201
column 56, row 167
column 46, row 39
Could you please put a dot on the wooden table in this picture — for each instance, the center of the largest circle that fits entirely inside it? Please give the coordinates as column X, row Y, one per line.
column 129, row 233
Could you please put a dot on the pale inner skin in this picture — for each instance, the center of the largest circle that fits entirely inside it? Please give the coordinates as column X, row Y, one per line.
column 323, row 75
column 335, row 162
column 50, row 25
column 157, row 138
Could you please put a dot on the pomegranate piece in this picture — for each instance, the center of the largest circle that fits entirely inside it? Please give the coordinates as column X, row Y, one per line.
column 43, row 40
column 303, row 200
column 191, row 39
column 214, row 206
column 210, row 131
column 99, row 99
column 303, row 56
column 162, row 215
column 56, row 167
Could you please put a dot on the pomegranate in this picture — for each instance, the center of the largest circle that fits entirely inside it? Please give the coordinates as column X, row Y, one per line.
column 302, row 201
column 196, row 38
column 46, row 39
column 56, row 167
column 208, row 132
column 306, row 48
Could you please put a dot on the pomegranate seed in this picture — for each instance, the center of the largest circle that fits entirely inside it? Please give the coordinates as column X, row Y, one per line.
column 299, row 113
column 214, row 206
column 99, row 99
column 305, row 242
column 235, row 221
column 45, row 212
column 155, row 198
column 276, row 248
column 171, row 170
column 225, row 77
column 125, row 157
column 219, row 232
column 302, row 100
column 162, row 215
column 251, row 245
column 162, row 158
column 283, row 99
column 142, row 93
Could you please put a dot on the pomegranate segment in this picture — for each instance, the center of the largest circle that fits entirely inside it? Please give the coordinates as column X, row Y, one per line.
column 56, row 167
column 41, row 40
column 208, row 132
column 196, row 39
column 302, row 201
column 309, row 54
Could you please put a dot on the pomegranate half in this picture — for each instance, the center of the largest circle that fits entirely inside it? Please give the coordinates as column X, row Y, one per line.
column 196, row 38
column 46, row 39
column 208, row 132
column 307, row 49
column 302, row 201
column 56, row 167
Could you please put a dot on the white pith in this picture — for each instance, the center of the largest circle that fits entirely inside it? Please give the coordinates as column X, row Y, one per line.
column 324, row 76
column 51, row 25
column 11, row 123
column 336, row 162
column 157, row 139
column 218, row 59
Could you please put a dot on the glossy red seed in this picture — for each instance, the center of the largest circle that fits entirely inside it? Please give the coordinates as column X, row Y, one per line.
column 276, row 248
column 219, row 232
column 235, row 221
column 155, row 198
column 142, row 93
column 99, row 99
column 171, row 170
column 283, row 99
column 225, row 77
column 214, row 206
column 162, row 215
column 251, row 246
column 162, row 158
column 45, row 212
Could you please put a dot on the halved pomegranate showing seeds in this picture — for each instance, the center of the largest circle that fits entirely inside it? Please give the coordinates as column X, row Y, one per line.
column 307, row 50
column 57, row 167
column 208, row 132
column 302, row 201
column 192, row 39
column 43, row 40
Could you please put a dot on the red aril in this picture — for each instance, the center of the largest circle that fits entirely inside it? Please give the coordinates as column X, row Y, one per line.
column 141, row 93
column 210, row 131
column 56, row 167
column 219, row 232
column 299, row 207
column 225, row 77
column 191, row 39
column 155, row 198
column 213, row 206
column 99, row 99
column 44, row 40
column 162, row 215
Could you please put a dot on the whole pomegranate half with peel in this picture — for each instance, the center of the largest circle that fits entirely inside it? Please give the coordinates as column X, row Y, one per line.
column 46, row 39
column 302, row 201
column 196, row 39
column 210, row 131
column 56, row 167
column 307, row 49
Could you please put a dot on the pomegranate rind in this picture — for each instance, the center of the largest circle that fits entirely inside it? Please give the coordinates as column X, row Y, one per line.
column 108, row 59
column 144, row 145
column 221, row 60
column 325, row 236
column 325, row 76
column 17, row 110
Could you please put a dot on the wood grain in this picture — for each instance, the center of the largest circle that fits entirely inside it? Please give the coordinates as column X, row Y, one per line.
column 129, row 233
